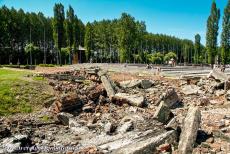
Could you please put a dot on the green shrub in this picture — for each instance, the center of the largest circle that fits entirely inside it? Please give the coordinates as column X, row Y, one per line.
column 46, row 65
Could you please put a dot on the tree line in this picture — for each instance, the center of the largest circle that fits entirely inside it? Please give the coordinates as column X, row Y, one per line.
column 46, row 38
column 34, row 38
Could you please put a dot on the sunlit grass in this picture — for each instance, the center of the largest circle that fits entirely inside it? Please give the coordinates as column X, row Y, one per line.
column 18, row 94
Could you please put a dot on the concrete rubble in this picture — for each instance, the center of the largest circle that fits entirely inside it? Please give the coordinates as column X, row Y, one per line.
column 96, row 111
column 189, row 131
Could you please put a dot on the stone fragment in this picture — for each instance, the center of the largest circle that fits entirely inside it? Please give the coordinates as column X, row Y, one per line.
column 149, row 145
column 170, row 98
column 191, row 90
column 4, row 131
column 109, row 128
column 107, row 84
column 218, row 75
column 173, row 124
column 125, row 127
column 189, row 130
column 145, row 84
column 163, row 113
column 64, row 118
column 130, row 83
column 123, row 98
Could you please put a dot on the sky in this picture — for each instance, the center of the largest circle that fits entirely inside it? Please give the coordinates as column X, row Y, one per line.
column 180, row 18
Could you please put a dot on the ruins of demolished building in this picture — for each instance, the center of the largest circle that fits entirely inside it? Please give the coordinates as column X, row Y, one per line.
column 94, row 116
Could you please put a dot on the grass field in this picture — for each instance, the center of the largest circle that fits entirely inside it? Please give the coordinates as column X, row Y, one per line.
column 21, row 94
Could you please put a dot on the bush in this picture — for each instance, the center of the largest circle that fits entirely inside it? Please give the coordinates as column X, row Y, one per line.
column 156, row 58
column 46, row 65
column 11, row 66
column 169, row 56
column 30, row 67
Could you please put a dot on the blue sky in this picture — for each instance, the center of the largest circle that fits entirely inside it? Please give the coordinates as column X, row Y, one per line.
column 180, row 18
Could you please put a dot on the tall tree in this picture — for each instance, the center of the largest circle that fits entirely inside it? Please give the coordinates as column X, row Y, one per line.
column 89, row 36
column 225, row 36
column 70, row 30
column 127, row 35
column 212, row 33
column 197, row 48
column 58, row 28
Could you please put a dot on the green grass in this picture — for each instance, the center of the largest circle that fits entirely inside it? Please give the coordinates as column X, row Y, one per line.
column 6, row 74
column 39, row 78
column 19, row 94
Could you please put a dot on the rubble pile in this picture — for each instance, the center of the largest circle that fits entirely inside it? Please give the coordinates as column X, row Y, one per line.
column 90, row 113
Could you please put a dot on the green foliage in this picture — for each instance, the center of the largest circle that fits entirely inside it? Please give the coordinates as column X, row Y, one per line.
column 169, row 56
column 212, row 33
column 46, row 65
column 70, row 26
column 38, row 78
column 156, row 58
column 58, row 28
column 89, row 36
column 31, row 48
column 65, row 54
column 120, row 40
column 225, row 36
column 127, row 36
column 46, row 118
column 197, row 48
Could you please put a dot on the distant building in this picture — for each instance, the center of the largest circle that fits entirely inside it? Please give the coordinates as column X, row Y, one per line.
column 79, row 55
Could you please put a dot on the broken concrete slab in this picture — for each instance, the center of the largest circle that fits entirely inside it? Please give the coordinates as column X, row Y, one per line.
column 130, row 83
column 149, row 145
column 218, row 75
column 172, row 124
column 107, row 85
column 134, row 100
column 170, row 98
column 189, row 130
column 163, row 113
column 109, row 127
column 125, row 127
column 191, row 90
column 145, row 84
